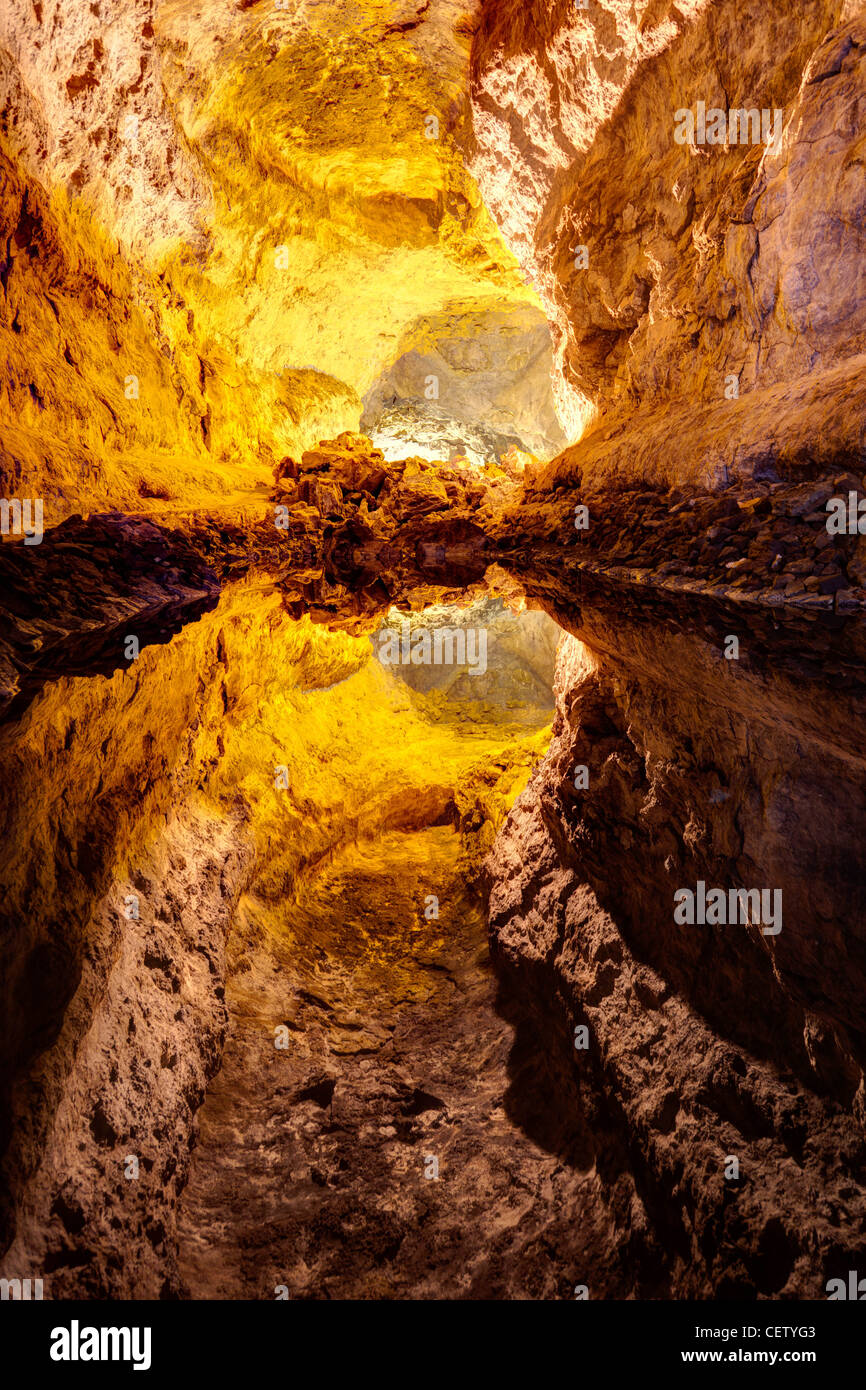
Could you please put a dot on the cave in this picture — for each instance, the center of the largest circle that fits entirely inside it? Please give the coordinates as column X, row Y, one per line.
column 432, row 654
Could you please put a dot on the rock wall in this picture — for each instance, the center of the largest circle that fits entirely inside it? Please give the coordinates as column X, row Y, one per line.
column 222, row 227
column 709, row 268
column 111, row 398
column 197, row 797
column 473, row 384
column 141, row 1039
column 704, row 1042
column 205, row 215
column 137, row 763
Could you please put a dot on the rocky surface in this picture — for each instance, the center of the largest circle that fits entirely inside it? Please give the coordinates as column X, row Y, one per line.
column 760, row 542
column 477, row 384
column 111, row 398
column 706, row 264
column 365, row 1157
column 141, row 1038
column 376, row 533
column 75, row 600
column 704, row 1043
column 167, row 778
column 169, row 335
column 404, row 427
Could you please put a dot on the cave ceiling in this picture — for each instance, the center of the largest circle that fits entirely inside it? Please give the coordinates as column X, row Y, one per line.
column 282, row 194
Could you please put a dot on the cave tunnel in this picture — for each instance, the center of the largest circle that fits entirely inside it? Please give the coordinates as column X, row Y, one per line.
column 432, row 652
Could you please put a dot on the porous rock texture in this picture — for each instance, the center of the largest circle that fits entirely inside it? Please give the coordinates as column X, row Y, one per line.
column 388, row 1149
column 141, row 1038
column 710, row 346
column 704, row 262
column 254, row 783
column 706, row 1043
column 483, row 379
column 205, row 212
column 111, row 398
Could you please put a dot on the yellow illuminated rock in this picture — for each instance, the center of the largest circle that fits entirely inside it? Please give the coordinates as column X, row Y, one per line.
column 232, row 251
column 364, row 219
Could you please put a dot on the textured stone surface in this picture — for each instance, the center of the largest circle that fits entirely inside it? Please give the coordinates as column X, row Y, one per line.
column 491, row 374
column 110, row 397
column 164, row 773
column 141, row 1038
column 311, row 1169
column 759, row 542
column 704, row 1042
column 252, row 317
column 703, row 261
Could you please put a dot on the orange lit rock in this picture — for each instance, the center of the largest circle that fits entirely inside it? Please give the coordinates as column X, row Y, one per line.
column 708, row 268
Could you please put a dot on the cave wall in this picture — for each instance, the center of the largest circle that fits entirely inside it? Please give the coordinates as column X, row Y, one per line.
column 172, row 335
column 142, row 802
column 111, row 398
column 251, row 324
column 479, row 380
column 705, row 1042
column 147, row 256
column 705, row 263
column 105, row 1118
column 222, row 769
column 711, row 338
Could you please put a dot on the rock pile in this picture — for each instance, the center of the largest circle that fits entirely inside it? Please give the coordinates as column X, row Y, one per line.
column 349, row 478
